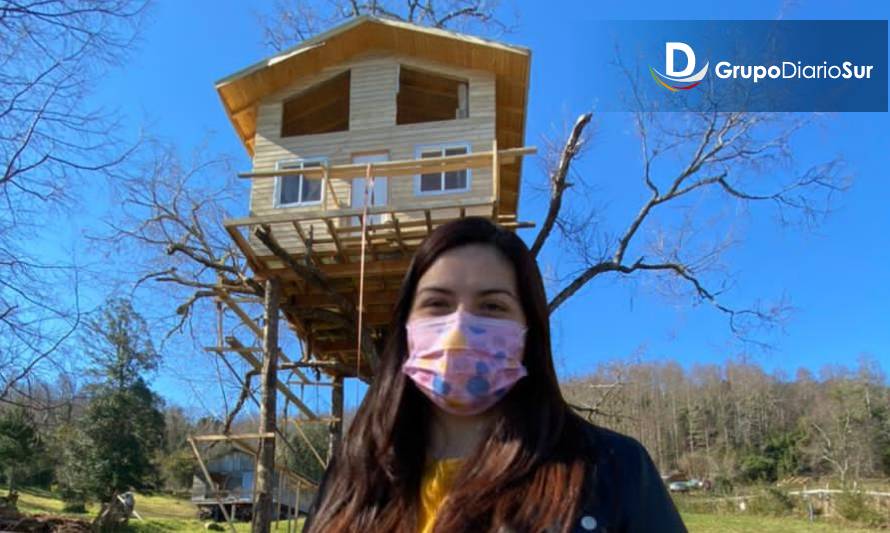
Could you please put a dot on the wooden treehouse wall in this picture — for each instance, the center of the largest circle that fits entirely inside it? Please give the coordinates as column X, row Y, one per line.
column 372, row 128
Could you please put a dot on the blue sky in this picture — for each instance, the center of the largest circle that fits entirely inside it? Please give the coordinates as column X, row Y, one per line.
column 838, row 278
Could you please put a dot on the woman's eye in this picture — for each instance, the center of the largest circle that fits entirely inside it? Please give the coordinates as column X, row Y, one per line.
column 494, row 307
column 435, row 303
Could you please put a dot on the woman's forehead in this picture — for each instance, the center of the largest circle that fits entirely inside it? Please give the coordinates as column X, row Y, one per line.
column 474, row 267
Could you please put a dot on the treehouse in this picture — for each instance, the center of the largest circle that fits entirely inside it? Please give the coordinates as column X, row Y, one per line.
column 363, row 140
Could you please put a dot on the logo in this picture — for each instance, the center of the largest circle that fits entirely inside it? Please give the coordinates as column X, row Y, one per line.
column 683, row 80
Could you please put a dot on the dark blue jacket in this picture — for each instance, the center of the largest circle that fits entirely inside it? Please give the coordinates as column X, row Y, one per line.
column 623, row 491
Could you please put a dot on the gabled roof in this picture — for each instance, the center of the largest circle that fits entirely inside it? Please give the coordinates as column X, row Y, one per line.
column 241, row 91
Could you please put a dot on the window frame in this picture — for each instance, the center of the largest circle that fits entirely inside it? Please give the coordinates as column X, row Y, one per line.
column 281, row 165
column 420, row 148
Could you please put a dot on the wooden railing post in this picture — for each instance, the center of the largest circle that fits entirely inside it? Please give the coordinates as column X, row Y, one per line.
column 324, row 189
column 496, row 179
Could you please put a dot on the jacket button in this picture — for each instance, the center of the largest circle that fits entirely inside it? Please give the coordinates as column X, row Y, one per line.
column 588, row 523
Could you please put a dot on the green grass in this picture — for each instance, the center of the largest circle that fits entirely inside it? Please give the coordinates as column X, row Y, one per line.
column 40, row 501
column 732, row 523
column 161, row 513
column 166, row 525
column 168, row 514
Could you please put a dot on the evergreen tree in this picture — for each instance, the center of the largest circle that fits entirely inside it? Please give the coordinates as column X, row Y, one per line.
column 123, row 427
column 20, row 445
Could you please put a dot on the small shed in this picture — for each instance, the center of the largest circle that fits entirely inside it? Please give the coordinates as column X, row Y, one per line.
column 232, row 471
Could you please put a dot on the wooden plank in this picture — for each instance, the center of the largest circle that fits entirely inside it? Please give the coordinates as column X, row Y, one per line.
column 302, row 216
column 245, row 248
column 240, row 436
column 330, row 187
column 398, row 230
column 375, row 268
column 496, row 177
column 210, row 483
column 400, row 167
column 308, row 442
column 336, row 239
column 306, row 244
column 283, row 388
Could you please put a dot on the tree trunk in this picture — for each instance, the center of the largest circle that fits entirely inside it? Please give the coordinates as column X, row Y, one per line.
column 336, row 426
column 265, row 468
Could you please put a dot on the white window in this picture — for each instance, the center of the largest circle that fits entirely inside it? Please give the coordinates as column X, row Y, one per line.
column 297, row 189
column 442, row 182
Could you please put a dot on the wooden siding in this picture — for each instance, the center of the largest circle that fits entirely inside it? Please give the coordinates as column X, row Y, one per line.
column 372, row 128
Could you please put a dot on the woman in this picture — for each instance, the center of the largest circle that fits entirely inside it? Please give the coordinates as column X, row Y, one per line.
column 464, row 427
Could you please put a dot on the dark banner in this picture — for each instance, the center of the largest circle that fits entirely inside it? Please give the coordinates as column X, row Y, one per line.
column 787, row 65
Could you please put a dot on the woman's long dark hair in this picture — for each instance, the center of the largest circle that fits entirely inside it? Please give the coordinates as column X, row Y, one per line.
column 526, row 476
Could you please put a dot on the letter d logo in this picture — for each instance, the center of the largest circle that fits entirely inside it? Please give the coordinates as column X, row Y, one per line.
column 674, row 80
column 669, row 51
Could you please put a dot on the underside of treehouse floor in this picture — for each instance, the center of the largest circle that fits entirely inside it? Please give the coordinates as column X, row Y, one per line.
column 317, row 257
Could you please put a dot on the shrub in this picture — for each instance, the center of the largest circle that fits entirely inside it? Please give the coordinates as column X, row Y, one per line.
column 771, row 502
column 855, row 507
column 723, row 486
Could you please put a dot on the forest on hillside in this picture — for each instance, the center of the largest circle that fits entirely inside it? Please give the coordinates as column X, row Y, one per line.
column 735, row 422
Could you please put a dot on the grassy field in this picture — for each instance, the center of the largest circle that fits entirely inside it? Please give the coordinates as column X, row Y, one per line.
column 164, row 514
column 721, row 523
column 161, row 513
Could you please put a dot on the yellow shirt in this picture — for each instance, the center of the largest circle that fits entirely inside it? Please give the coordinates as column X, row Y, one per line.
column 437, row 479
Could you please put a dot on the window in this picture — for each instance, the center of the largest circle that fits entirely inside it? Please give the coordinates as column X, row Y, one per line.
column 443, row 182
column 297, row 189
column 322, row 108
column 426, row 97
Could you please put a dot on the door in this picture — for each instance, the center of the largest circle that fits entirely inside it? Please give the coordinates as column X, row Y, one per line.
column 381, row 188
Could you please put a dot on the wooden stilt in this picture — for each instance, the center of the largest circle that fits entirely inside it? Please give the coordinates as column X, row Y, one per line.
column 336, row 426
column 211, row 484
column 265, row 466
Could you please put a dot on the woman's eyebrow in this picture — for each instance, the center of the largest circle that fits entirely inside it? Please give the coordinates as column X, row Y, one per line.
column 508, row 292
column 435, row 289
column 484, row 292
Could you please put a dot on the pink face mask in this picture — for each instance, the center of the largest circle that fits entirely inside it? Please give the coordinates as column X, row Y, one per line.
column 462, row 362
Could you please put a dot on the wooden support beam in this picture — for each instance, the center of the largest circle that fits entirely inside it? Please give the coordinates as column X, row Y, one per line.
column 307, row 243
column 248, row 356
column 281, row 467
column 310, row 364
column 304, row 216
column 210, row 483
column 368, row 243
column 240, row 436
column 496, row 178
column 399, row 167
column 265, row 466
column 332, row 192
column 308, row 441
column 398, row 229
column 306, row 301
column 245, row 248
column 336, row 428
column 382, row 267
column 333, row 232
column 258, row 332
column 429, row 222
column 316, row 383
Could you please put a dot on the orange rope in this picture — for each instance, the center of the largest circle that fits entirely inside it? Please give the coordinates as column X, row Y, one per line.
column 369, row 186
